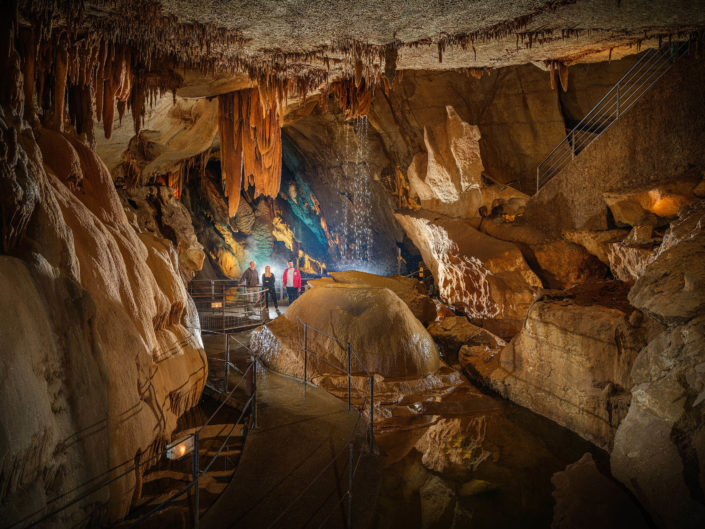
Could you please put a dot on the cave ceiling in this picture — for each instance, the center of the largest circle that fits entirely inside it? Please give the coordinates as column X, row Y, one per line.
column 502, row 32
column 320, row 40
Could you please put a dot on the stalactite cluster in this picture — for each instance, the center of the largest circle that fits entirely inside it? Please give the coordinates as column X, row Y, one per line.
column 85, row 79
column 353, row 96
column 249, row 123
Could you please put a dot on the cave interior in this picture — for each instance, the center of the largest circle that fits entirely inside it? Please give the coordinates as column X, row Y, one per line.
column 485, row 226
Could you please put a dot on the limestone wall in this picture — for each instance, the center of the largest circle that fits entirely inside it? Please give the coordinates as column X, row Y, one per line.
column 101, row 351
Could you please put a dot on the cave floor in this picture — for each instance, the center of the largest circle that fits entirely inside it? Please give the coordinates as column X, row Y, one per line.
column 294, row 468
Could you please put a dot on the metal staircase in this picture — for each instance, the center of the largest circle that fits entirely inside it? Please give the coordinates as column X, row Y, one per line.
column 652, row 65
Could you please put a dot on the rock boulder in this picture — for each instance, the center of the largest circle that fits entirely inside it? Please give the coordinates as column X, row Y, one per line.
column 411, row 291
column 385, row 336
column 486, row 278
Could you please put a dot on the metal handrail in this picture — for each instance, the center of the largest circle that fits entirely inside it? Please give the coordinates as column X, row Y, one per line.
column 142, row 464
column 350, row 352
column 646, row 71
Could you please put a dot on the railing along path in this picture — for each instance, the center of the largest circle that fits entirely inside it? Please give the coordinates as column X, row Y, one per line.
column 650, row 67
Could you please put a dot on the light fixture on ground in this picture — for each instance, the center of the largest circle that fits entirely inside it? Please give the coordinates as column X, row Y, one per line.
column 180, row 448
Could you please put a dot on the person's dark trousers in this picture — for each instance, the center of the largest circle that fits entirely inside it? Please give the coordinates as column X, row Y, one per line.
column 292, row 293
column 271, row 293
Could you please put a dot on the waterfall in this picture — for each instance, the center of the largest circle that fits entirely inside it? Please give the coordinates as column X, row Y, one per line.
column 356, row 229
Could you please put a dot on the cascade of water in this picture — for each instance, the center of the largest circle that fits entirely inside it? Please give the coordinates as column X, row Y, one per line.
column 356, row 230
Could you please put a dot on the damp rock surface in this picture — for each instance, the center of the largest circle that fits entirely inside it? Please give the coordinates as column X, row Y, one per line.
column 385, row 336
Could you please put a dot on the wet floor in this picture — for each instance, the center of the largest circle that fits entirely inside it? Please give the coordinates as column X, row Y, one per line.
column 475, row 468
column 462, row 458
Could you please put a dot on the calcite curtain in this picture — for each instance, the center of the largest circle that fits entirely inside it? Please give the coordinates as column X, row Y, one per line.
column 250, row 144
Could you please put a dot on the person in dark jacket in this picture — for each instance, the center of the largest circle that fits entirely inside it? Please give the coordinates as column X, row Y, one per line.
column 268, row 283
column 250, row 276
column 251, row 280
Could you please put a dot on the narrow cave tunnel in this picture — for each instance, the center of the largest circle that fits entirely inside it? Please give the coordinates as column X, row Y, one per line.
column 332, row 264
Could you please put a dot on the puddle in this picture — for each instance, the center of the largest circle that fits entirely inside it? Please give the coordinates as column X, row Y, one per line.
column 472, row 460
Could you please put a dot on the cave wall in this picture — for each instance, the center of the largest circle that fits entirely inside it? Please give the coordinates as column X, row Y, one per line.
column 330, row 154
column 101, row 351
column 515, row 110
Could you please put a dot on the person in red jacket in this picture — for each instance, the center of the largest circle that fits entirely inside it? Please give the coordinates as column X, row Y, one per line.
column 292, row 282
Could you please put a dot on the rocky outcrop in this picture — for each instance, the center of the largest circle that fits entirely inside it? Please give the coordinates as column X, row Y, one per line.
column 572, row 359
column 455, row 333
column 628, row 262
column 454, row 445
column 562, row 264
column 154, row 209
column 486, row 278
column 652, row 205
column 101, row 339
column 385, row 336
column 658, row 450
column 174, row 129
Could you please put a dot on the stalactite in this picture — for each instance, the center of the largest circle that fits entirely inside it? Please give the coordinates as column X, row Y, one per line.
column 108, row 106
column 60, row 70
column 353, row 99
column 229, row 126
column 250, row 134
column 563, row 75
column 28, row 47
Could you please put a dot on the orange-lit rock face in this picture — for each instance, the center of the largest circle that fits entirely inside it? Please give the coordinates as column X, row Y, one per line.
column 138, row 327
column 648, row 206
column 486, row 278
column 383, row 331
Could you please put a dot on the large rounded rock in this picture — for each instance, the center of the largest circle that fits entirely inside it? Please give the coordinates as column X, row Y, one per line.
column 385, row 336
column 411, row 291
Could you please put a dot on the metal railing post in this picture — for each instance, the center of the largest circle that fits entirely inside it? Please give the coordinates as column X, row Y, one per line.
column 194, row 470
column 305, row 352
column 254, row 392
column 223, row 309
column 618, row 100
column 372, row 412
column 350, row 484
column 227, row 361
column 349, row 376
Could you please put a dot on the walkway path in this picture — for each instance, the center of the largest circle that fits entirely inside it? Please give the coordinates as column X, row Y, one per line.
column 293, row 472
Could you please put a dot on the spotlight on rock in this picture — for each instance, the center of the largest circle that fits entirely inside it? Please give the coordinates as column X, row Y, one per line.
column 180, row 448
